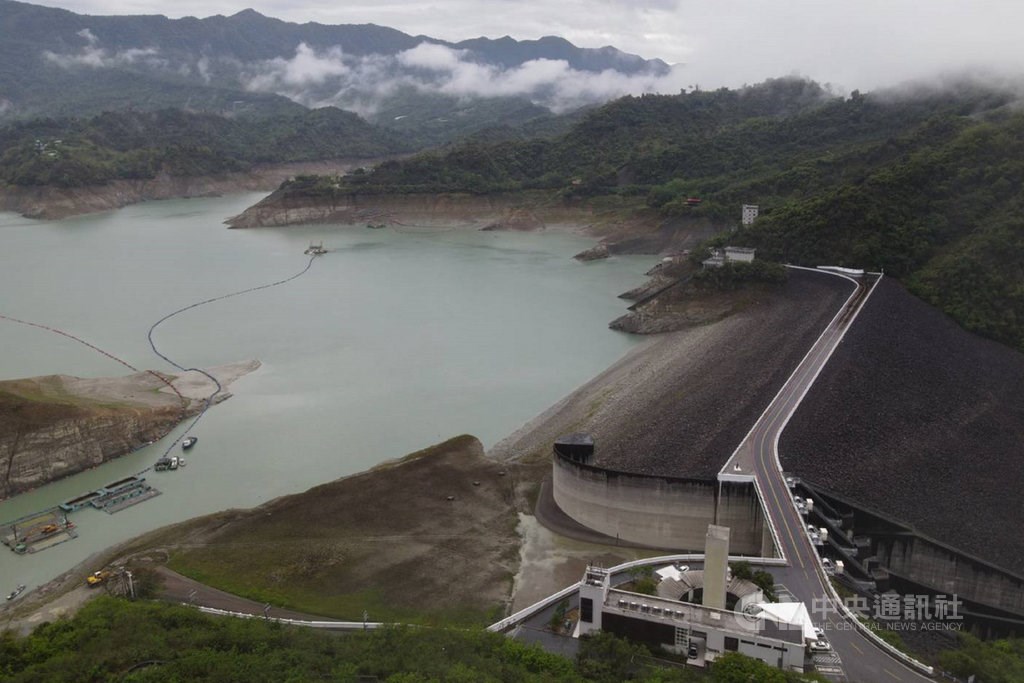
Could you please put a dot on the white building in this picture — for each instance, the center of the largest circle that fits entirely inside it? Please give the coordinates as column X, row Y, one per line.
column 775, row 633
column 720, row 257
column 749, row 213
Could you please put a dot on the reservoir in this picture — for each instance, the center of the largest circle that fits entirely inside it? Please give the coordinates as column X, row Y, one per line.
column 394, row 340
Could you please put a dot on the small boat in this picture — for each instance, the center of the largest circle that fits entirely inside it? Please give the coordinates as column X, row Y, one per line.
column 16, row 592
column 188, row 443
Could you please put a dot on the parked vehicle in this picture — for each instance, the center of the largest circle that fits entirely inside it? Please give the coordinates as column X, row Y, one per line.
column 820, row 646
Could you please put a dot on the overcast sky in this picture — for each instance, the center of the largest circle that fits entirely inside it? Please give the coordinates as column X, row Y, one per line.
column 851, row 44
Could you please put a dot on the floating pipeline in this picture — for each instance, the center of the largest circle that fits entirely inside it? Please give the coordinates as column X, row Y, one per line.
column 219, row 388
column 143, row 492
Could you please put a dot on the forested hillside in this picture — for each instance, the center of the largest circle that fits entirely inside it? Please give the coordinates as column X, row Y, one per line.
column 138, row 145
column 924, row 184
column 112, row 639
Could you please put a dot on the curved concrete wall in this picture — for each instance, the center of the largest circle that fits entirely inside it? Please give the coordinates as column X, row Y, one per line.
column 660, row 512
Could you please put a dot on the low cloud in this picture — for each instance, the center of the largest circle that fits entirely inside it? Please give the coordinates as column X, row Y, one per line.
column 318, row 78
column 203, row 69
column 96, row 57
column 89, row 36
column 432, row 57
column 306, row 68
column 361, row 83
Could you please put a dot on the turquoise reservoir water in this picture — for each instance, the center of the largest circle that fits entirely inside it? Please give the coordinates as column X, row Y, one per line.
column 391, row 342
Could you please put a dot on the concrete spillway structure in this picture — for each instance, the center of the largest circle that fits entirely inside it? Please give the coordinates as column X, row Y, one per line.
column 655, row 511
column 716, row 566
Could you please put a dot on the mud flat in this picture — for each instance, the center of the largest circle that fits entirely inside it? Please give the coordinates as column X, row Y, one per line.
column 431, row 537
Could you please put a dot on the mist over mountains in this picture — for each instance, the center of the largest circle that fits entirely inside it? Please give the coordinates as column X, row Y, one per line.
column 56, row 62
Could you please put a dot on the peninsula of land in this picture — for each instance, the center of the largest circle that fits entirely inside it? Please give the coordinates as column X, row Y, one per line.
column 57, row 425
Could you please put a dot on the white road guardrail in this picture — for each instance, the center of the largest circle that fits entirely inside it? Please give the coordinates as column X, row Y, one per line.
column 527, row 612
column 333, row 625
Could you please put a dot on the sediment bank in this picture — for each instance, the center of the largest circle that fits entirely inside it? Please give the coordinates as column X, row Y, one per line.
column 622, row 229
column 54, row 203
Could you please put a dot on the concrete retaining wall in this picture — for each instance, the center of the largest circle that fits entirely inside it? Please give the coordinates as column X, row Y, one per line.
column 897, row 547
column 946, row 570
column 660, row 512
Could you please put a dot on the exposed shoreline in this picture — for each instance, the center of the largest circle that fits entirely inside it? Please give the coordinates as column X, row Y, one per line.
column 622, row 229
column 55, row 203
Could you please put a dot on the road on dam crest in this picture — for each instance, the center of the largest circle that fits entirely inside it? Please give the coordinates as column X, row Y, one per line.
column 757, row 457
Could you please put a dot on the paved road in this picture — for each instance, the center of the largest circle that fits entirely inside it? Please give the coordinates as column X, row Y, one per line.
column 862, row 660
column 178, row 588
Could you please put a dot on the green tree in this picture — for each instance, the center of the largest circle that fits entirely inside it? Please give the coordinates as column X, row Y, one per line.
column 735, row 668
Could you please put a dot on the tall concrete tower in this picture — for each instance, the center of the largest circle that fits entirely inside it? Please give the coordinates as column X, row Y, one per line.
column 716, row 565
column 593, row 590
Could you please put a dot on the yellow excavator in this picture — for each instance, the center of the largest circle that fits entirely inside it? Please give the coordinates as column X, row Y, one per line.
column 96, row 578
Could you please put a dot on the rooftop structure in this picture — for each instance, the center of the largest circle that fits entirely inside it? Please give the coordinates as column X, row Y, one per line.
column 775, row 633
column 720, row 257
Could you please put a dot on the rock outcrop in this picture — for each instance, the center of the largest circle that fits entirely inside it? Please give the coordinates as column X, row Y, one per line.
column 75, row 441
column 479, row 212
column 55, row 426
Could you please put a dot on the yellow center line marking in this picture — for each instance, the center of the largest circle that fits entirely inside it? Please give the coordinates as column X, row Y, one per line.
column 891, row 673
column 855, row 647
column 783, row 518
column 771, row 418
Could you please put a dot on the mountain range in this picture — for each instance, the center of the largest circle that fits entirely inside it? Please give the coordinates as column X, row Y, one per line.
column 54, row 62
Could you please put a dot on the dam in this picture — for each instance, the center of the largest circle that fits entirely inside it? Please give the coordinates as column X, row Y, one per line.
column 652, row 511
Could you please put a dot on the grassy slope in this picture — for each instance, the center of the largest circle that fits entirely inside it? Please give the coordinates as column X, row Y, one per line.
column 37, row 402
column 386, row 541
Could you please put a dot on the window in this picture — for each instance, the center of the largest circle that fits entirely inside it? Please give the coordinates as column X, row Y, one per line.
column 586, row 610
column 732, row 644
